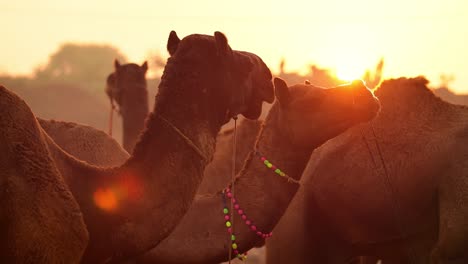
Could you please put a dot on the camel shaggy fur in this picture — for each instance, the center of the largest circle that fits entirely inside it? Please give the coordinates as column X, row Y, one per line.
column 40, row 221
column 85, row 143
column 347, row 207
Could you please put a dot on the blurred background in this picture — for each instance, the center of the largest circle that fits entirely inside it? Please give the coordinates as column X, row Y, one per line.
column 57, row 54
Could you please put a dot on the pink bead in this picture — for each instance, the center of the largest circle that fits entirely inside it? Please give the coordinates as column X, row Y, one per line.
column 270, row 234
column 273, row 167
column 247, row 222
column 264, row 235
column 263, row 158
column 259, row 233
column 253, row 228
column 226, row 217
column 234, row 200
column 236, row 251
column 229, row 230
column 244, row 217
column 228, row 190
column 229, row 194
column 240, row 212
column 236, row 206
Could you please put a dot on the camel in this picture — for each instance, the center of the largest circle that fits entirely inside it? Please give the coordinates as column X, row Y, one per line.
column 85, row 143
column 303, row 118
column 127, row 87
column 125, row 208
column 347, row 207
column 36, row 203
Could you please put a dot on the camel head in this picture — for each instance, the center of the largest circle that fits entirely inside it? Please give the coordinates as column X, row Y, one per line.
column 127, row 85
column 311, row 115
column 230, row 82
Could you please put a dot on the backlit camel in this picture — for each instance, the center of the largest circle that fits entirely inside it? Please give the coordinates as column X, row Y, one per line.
column 127, row 87
column 131, row 208
column 303, row 118
column 346, row 207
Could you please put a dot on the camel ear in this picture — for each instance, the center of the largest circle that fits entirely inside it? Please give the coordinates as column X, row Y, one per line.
column 282, row 91
column 307, row 82
column 144, row 66
column 110, row 84
column 172, row 43
column 116, row 64
column 221, row 43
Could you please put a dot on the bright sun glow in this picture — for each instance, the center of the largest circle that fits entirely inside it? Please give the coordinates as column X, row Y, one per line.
column 349, row 73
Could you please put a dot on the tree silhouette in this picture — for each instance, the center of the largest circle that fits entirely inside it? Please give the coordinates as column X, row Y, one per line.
column 80, row 63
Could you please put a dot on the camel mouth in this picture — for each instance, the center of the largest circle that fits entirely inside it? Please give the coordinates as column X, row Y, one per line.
column 254, row 110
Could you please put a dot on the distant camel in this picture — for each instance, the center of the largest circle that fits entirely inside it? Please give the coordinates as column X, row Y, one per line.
column 347, row 208
column 131, row 208
column 303, row 118
column 127, row 87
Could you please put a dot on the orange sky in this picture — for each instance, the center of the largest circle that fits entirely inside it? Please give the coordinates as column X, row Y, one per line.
column 415, row 37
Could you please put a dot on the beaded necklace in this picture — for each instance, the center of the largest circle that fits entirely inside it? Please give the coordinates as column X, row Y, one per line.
column 228, row 216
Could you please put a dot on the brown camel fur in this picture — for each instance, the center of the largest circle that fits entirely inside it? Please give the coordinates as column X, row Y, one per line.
column 126, row 210
column 347, row 208
column 303, row 118
column 40, row 221
column 218, row 172
column 127, row 87
column 85, row 143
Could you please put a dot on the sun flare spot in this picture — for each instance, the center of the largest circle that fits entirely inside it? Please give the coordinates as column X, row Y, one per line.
column 127, row 189
column 105, row 199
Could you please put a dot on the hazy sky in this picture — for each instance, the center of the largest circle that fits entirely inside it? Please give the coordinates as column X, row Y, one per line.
column 415, row 37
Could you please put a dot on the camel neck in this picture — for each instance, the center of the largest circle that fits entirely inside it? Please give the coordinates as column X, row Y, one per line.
column 262, row 194
column 134, row 114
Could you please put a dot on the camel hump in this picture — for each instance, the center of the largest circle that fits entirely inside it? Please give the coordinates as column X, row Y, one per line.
column 14, row 110
column 85, row 142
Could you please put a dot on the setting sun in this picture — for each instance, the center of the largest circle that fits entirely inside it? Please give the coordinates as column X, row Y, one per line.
column 348, row 72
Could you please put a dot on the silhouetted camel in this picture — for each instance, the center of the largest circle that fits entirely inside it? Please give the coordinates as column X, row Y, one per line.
column 127, row 87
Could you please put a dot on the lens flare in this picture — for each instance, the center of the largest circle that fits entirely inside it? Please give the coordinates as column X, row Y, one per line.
column 127, row 189
column 105, row 199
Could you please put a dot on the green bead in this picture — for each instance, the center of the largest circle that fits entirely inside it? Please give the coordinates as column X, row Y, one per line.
column 233, row 237
column 228, row 224
column 266, row 162
column 225, row 211
column 269, row 165
column 234, row 246
column 278, row 171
